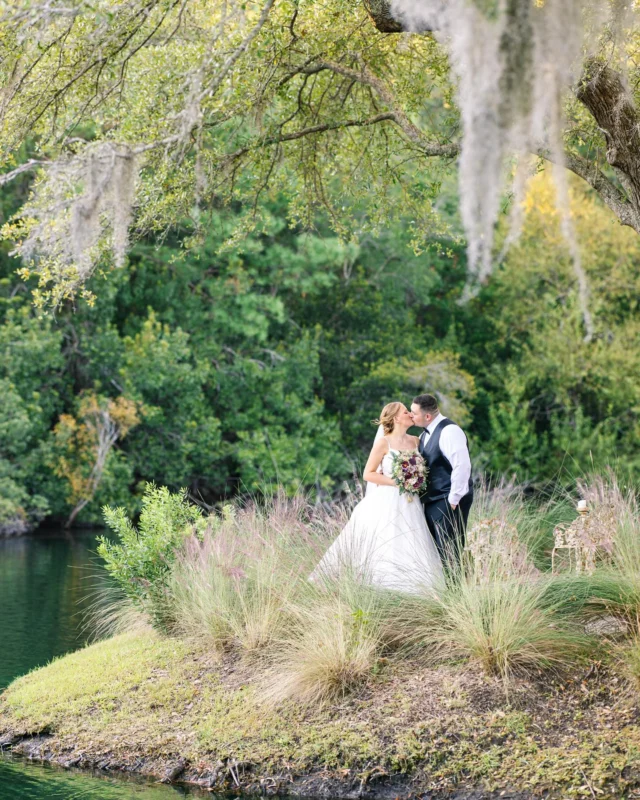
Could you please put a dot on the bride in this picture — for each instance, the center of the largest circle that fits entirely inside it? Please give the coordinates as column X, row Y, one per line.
column 386, row 542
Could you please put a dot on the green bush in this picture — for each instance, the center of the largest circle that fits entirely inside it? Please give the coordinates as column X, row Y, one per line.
column 141, row 561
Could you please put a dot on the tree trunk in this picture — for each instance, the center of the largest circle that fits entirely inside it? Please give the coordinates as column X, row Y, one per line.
column 603, row 92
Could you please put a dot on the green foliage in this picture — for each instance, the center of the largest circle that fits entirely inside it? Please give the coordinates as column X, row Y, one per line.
column 263, row 362
column 517, row 445
column 19, row 508
column 556, row 404
column 30, row 364
column 437, row 372
column 141, row 561
column 219, row 144
column 179, row 435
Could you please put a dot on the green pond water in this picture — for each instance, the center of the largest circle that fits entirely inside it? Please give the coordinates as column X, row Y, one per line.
column 24, row 781
column 47, row 583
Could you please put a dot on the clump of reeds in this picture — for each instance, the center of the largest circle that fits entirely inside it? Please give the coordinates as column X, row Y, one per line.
column 234, row 584
column 497, row 608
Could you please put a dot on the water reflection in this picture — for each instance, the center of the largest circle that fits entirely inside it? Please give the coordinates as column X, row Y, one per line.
column 21, row 780
column 46, row 583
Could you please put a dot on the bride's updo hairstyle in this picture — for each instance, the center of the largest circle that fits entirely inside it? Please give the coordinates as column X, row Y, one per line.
column 388, row 416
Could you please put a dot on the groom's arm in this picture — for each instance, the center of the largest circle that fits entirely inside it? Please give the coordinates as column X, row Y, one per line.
column 453, row 444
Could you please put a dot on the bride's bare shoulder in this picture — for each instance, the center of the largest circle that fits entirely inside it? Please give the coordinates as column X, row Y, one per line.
column 380, row 444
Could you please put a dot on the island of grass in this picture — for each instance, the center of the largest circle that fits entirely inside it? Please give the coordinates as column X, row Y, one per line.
column 511, row 681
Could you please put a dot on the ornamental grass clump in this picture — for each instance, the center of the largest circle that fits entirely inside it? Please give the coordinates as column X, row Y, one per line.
column 333, row 642
column 497, row 609
column 245, row 586
column 507, row 626
column 111, row 613
column 234, row 585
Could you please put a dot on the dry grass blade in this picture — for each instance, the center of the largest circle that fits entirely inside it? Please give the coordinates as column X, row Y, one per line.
column 110, row 613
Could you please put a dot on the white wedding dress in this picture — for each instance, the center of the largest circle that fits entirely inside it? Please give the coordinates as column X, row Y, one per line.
column 386, row 543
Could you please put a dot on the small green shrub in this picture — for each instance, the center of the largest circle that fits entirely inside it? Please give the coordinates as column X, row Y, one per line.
column 141, row 561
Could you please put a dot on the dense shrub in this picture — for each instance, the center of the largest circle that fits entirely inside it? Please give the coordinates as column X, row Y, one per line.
column 141, row 561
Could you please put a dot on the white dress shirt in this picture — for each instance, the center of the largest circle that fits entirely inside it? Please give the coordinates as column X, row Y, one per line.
column 453, row 444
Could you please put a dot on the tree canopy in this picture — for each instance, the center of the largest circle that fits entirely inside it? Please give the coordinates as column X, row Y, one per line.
column 278, row 180
column 265, row 364
column 150, row 112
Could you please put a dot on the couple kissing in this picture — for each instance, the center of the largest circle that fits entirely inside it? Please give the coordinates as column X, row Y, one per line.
column 390, row 541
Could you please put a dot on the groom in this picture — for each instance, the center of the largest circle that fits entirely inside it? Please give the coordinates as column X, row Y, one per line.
column 449, row 495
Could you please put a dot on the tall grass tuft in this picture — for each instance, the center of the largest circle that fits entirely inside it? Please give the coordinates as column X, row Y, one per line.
column 244, row 585
column 111, row 613
column 506, row 626
column 497, row 608
column 235, row 583
column 336, row 635
column 628, row 657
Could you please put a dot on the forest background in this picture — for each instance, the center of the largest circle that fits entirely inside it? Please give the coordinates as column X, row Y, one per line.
column 265, row 364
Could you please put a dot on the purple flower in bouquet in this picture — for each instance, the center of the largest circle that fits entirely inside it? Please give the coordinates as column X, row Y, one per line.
column 409, row 471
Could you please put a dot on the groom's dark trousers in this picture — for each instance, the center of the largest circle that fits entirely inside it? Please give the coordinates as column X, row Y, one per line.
column 448, row 526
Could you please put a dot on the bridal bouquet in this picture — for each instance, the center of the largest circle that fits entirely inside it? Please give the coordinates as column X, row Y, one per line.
column 409, row 471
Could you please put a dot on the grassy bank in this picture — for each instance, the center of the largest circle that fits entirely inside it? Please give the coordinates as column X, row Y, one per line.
column 154, row 705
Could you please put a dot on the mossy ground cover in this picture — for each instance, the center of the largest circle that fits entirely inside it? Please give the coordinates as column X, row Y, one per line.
column 142, row 702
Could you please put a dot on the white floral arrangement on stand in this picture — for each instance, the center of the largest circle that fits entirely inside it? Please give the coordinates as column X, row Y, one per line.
column 588, row 539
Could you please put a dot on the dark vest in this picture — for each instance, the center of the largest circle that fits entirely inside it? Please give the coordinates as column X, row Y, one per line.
column 440, row 469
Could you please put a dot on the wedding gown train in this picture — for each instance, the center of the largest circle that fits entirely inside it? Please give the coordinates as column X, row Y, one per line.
column 386, row 542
